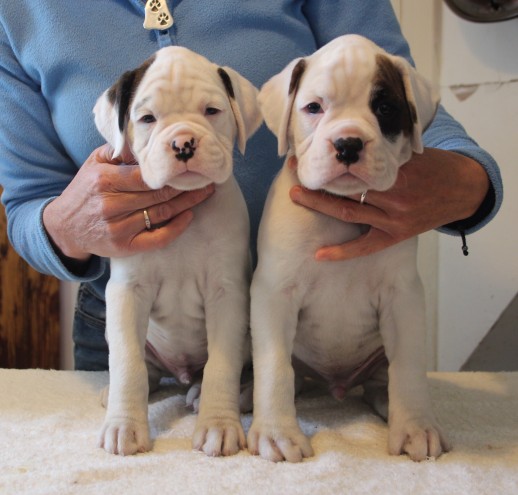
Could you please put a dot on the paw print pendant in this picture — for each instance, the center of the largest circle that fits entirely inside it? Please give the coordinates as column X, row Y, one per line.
column 157, row 15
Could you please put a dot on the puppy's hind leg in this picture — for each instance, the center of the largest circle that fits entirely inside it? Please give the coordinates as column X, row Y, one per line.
column 375, row 392
column 154, row 376
column 246, row 394
column 192, row 399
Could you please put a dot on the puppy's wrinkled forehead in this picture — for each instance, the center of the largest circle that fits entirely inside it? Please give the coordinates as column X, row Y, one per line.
column 359, row 73
column 342, row 72
column 177, row 77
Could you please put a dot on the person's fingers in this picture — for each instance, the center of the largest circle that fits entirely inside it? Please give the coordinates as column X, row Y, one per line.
column 347, row 210
column 371, row 242
column 160, row 238
column 105, row 154
column 160, row 212
column 114, row 178
column 350, row 210
column 292, row 163
column 120, row 176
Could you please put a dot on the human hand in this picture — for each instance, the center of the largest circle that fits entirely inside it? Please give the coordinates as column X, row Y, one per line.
column 432, row 189
column 101, row 211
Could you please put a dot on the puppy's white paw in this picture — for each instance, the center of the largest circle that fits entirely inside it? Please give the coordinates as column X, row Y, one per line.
column 277, row 442
column 420, row 438
column 192, row 399
column 218, row 436
column 124, row 436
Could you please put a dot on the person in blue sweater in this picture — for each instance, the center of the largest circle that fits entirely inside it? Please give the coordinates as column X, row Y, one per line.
column 70, row 206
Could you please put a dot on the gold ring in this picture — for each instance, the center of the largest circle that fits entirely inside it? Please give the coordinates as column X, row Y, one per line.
column 147, row 221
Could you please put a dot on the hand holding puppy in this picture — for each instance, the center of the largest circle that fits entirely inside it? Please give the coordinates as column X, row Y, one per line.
column 419, row 201
column 100, row 212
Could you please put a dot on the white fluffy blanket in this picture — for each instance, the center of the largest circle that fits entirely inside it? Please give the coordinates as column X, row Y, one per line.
column 49, row 421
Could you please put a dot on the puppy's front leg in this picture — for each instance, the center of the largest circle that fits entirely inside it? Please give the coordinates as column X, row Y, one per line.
column 218, row 428
column 125, row 430
column 275, row 433
column 412, row 426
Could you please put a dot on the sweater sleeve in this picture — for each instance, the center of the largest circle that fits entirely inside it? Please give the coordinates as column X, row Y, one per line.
column 376, row 20
column 34, row 166
column 448, row 134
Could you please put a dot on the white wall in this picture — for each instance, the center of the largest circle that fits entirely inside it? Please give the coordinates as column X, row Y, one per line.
column 480, row 63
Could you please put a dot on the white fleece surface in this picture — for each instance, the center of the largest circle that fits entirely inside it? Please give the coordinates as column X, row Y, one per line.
column 49, row 421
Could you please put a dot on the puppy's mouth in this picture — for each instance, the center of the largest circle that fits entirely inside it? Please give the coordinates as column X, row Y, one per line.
column 345, row 184
column 189, row 180
column 337, row 180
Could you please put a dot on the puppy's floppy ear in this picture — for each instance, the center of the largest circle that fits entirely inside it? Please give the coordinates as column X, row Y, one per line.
column 276, row 100
column 243, row 101
column 423, row 100
column 112, row 108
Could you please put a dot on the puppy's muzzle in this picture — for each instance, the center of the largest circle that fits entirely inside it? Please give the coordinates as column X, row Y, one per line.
column 184, row 151
column 348, row 150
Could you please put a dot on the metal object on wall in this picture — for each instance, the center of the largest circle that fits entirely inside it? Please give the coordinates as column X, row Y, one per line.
column 484, row 10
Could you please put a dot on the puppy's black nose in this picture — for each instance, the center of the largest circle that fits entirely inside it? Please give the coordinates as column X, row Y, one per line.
column 184, row 152
column 348, row 149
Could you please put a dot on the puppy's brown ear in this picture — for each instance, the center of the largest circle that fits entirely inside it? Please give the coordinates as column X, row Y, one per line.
column 423, row 100
column 112, row 108
column 276, row 100
column 242, row 95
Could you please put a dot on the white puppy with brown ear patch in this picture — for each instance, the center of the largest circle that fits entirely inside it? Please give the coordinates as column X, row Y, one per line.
column 184, row 309
column 352, row 115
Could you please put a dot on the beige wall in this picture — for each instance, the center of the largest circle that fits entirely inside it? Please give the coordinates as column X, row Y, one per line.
column 477, row 69
column 420, row 23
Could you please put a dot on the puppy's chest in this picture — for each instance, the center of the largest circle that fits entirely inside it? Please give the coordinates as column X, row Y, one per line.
column 338, row 321
column 177, row 340
column 343, row 305
column 177, row 336
column 192, row 276
column 181, row 298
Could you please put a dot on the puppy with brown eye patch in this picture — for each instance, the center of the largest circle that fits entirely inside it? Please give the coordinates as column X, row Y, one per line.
column 388, row 101
column 351, row 114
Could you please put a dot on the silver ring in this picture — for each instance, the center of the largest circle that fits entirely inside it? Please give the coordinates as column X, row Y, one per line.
column 362, row 197
column 147, row 221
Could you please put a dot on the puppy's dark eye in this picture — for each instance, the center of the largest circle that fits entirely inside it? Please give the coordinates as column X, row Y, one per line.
column 212, row 111
column 384, row 109
column 147, row 119
column 389, row 110
column 314, row 107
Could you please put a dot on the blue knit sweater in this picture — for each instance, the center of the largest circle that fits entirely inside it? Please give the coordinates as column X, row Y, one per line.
column 57, row 56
